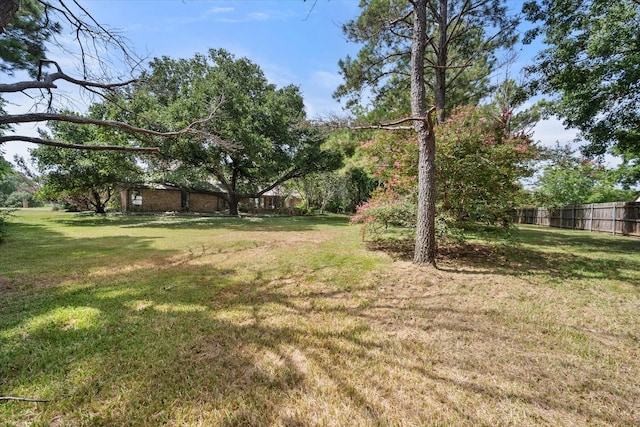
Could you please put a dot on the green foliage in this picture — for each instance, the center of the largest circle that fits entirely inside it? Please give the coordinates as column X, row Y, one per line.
column 259, row 137
column 5, row 215
column 478, row 168
column 22, row 44
column 571, row 180
column 87, row 179
column 383, row 63
column 337, row 191
column 16, row 199
column 15, row 187
column 591, row 64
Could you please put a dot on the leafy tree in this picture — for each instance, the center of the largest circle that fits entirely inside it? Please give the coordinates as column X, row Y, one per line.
column 591, row 68
column 459, row 52
column 81, row 177
column 509, row 99
column 5, row 166
column 571, row 180
column 479, row 167
column 26, row 30
column 409, row 41
column 15, row 187
column 259, row 138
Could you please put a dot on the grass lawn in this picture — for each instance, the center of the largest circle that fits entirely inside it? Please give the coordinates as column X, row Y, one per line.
column 296, row 322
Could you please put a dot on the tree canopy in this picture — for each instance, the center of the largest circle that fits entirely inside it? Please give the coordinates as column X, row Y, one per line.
column 24, row 31
column 568, row 179
column 88, row 179
column 461, row 40
column 259, row 138
column 27, row 29
column 590, row 68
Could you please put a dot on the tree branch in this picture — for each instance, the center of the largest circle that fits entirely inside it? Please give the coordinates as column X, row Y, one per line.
column 47, row 81
column 393, row 125
column 42, row 117
column 23, row 399
column 42, row 141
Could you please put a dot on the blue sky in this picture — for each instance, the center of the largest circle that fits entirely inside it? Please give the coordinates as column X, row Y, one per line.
column 293, row 41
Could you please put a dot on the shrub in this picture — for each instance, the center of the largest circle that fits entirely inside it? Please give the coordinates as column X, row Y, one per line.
column 478, row 163
column 5, row 214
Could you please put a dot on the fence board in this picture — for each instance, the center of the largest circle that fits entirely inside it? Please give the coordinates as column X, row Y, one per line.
column 616, row 218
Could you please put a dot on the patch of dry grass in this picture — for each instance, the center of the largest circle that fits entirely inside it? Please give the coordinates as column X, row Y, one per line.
column 273, row 322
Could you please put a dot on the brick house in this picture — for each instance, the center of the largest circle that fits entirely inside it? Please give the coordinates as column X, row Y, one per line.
column 168, row 198
column 275, row 199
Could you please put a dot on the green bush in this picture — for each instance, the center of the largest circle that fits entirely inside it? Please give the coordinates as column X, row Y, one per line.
column 15, row 199
column 5, row 214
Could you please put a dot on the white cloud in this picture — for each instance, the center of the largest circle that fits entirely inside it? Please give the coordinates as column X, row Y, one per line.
column 258, row 16
column 550, row 131
column 217, row 10
column 276, row 74
column 270, row 15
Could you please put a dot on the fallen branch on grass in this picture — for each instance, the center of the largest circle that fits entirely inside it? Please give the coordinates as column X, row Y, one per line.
column 23, row 399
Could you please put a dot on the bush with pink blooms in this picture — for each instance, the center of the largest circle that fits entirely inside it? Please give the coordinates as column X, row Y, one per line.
column 478, row 163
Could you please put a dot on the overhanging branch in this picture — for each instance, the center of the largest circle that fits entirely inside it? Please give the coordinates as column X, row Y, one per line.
column 394, row 125
column 43, row 117
column 42, row 141
column 47, row 82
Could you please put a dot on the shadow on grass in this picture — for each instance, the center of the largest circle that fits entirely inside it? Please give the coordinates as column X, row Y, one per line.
column 153, row 347
column 193, row 344
column 37, row 253
column 557, row 253
column 245, row 223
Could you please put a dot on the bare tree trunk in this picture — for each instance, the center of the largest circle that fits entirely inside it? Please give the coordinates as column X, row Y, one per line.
column 233, row 204
column 441, row 58
column 425, row 248
column 8, row 9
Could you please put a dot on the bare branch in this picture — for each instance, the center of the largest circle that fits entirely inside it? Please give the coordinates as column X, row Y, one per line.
column 393, row 125
column 86, row 27
column 23, row 399
column 42, row 141
column 310, row 9
column 42, row 117
column 402, row 18
column 380, row 127
column 47, row 81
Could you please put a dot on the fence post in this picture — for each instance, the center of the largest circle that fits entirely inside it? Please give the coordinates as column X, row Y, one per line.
column 591, row 218
column 573, row 217
column 615, row 213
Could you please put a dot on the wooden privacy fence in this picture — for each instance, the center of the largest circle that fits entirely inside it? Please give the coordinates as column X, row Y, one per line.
column 616, row 218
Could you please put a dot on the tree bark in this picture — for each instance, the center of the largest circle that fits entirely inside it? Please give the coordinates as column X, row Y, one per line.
column 233, row 196
column 8, row 9
column 441, row 58
column 425, row 247
column 233, row 204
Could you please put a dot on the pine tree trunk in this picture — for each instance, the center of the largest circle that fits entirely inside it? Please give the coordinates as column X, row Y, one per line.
column 441, row 59
column 8, row 9
column 425, row 249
